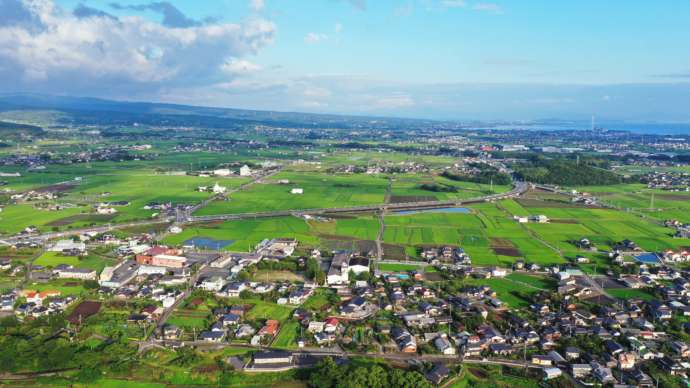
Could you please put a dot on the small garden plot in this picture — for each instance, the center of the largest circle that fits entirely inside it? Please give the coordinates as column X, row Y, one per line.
column 65, row 286
column 504, row 247
column 287, row 338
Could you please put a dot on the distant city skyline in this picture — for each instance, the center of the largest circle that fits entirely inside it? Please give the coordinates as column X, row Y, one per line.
column 438, row 59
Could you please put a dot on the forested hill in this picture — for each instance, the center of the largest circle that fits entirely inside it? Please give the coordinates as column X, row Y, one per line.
column 565, row 173
column 11, row 130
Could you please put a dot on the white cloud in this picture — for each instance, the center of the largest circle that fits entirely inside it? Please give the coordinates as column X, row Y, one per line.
column 315, row 38
column 395, row 101
column 315, row 91
column 257, row 5
column 239, row 66
column 338, row 28
column 488, row 7
column 56, row 51
column 453, row 3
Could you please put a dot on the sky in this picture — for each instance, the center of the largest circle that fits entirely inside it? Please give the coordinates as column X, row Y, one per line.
column 441, row 59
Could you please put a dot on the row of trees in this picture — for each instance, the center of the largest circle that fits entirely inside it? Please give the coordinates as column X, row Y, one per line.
column 486, row 175
column 328, row 374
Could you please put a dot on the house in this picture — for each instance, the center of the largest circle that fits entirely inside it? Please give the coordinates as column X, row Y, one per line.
column 626, row 360
column 660, row 310
column 552, row 373
column 338, row 273
column 541, row 219
column 501, row 349
column 406, row 342
column 602, row 373
column 681, row 349
column 613, row 347
column 212, row 336
column 437, row 374
column 324, row 338
column 572, row 353
column 580, row 370
column 444, row 346
column 331, row 325
column 213, row 283
column 170, row 332
column 542, row 360
column 230, row 319
column 316, row 326
column 299, row 296
column 244, row 331
column 270, row 328
column 297, row 190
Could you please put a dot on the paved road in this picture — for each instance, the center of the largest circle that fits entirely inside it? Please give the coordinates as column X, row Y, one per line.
column 520, row 188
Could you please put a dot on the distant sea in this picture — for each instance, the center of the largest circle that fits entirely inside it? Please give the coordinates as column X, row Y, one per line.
column 644, row 128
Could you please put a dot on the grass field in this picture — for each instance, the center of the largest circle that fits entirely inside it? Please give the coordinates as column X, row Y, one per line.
column 320, row 191
column 363, row 228
column 14, row 218
column 266, row 310
column 629, row 293
column 138, row 187
column 638, row 198
column 409, row 186
column 247, row 233
column 65, row 286
column 287, row 338
column 91, row 261
column 388, row 267
column 512, row 292
column 475, row 232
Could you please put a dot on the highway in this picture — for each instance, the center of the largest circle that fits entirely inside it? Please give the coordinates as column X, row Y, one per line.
column 518, row 189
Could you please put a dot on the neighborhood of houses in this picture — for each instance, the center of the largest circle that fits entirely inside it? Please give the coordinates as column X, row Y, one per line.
column 577, row 329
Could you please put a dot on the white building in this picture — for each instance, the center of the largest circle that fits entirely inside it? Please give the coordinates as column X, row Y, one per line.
column 297, row 190
column 213, row 283
column 340, row 269
column 68, row 245
column 106, row 210
column 217, row 189
column 77, row 273
column 222, row 172
column 245, row 171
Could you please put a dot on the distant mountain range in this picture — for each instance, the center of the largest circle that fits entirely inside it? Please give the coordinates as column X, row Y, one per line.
column 83, row 110
column 64, row 110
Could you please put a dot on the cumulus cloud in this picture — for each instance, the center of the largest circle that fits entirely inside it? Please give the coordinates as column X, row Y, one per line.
column 44, row 47
column 315, row 38
column 239, row 66
column 172, row 17
column 83, row 11
column 257, row 5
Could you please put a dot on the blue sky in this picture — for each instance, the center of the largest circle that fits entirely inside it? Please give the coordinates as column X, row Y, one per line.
column 458, row 59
